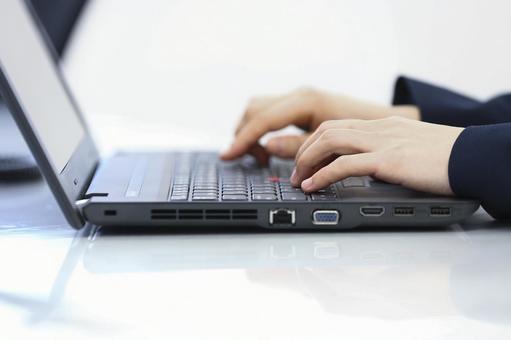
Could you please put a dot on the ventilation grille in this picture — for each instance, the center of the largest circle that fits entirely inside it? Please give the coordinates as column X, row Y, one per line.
column 163, row 214
column 244, row 214
column 208, row 214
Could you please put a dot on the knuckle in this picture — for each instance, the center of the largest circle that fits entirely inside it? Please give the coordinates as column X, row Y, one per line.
column 301, row 162
column 351, row 124
column 257, row 127
column 328, row 139
column 325, row 125
column 336, row 138
column 310, row 97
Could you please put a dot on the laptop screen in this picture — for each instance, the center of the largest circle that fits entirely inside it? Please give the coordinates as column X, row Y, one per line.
column 30, row 70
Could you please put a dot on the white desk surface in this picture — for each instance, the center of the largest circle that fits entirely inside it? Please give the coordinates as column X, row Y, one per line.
column 197, row 62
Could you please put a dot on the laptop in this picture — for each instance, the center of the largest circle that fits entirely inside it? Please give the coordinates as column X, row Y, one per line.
column 177, row 189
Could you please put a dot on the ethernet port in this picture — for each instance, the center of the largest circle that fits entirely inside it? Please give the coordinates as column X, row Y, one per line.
column 282, row 217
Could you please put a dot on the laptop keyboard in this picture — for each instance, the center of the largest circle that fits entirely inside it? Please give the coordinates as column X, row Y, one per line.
column 202, row 178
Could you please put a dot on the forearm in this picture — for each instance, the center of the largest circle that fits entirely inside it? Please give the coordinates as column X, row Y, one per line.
column 346, row 107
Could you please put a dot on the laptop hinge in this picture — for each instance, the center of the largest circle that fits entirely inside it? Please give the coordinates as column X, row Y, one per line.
column 80, row 204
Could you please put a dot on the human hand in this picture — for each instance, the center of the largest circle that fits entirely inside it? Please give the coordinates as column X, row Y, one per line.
column 305, row 108
column 396, row 150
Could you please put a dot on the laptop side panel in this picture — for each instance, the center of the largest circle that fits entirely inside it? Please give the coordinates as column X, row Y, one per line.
column 225, row 215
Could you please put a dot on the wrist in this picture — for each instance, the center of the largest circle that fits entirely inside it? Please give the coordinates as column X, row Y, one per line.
column 407, row 111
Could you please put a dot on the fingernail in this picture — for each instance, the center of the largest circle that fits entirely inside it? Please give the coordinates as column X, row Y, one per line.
column 293, row 175
column 307, row 184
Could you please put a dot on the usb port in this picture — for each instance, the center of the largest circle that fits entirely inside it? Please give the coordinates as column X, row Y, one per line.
column 372, row 211
column 404, row 211
column 440, row 211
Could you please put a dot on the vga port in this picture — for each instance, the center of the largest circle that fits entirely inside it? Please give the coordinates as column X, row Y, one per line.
column 325, row 217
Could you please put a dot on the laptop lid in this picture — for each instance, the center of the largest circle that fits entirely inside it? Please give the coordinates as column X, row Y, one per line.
column 36, row 93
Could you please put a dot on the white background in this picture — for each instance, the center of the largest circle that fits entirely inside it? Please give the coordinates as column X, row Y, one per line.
column 178, row 73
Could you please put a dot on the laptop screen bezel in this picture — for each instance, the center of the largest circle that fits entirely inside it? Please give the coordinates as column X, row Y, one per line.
column 70, row 184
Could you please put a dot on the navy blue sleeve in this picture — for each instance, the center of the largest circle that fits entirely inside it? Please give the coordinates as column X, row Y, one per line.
column 442, row 106
column 480, row 167
column 480, row 161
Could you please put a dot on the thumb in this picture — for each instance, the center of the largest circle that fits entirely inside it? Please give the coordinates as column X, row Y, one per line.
column 285, row 146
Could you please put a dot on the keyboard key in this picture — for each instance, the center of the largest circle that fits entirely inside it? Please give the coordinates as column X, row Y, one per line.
column 205, row 198
column 179, row 197
column 235, row 197
column 293, row 196
column 352, row 182
column 234, row 192
column 180, row 193
column 205, row 191
column 378, row 184
column 290, row 189
column 323, row 197
column 179, row 189
column 264, row 197
column 265, row 191
column 235, row 188
column 263, row 186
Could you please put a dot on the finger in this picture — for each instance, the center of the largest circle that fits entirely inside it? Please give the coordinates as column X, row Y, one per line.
column 363, row 164
column 255, row 106
column 313, row 170
column 260, row 154
column 285, row 146
column 330, row 124
column 333, row 142
column 286, row 112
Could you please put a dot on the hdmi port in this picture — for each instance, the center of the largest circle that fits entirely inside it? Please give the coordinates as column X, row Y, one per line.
column 372, row 211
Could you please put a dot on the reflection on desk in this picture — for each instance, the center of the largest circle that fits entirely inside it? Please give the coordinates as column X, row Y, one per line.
column 383, row 275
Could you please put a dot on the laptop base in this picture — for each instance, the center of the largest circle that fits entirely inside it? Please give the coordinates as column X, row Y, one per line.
column 137, row 189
